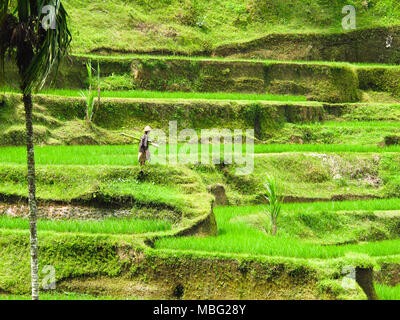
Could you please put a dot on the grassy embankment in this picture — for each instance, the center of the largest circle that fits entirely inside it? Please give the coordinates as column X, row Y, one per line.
column 301, row 225
column 384, row 293
column 196, row 26
column 58, row 296
column 58, row 120
column 129, row 57
column 317, row 223
column 162, row 187
column 98, row 252
column 323, row 171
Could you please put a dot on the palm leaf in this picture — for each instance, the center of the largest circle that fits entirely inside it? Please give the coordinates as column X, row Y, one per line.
column 271, row 194
column 4, row 6
column 52, row 50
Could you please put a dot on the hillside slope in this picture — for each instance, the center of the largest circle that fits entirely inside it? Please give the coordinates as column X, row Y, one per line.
column 188, row 26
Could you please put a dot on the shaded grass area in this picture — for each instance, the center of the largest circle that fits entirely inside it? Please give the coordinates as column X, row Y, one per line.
column 71, row 254
column 177, row 188
column 324, row 175
column 239, row 237
column 128, row 57
column 58, row 296
column 387, row 293
column 343, row 139
column 109, row 225
column 56, row 121
column 368, row 134
column 181, row 95
column 112, row 257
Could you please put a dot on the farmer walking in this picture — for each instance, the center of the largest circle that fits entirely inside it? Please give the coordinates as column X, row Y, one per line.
column 144, row 153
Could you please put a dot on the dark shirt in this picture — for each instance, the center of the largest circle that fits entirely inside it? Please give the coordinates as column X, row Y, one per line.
column 144, row 143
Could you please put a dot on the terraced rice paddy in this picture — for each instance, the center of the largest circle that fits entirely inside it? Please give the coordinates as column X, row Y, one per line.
column 388, row 293
column 326, row 126
column 237, row 236
column 109, row 225
column 127, row 154
column 57, row 296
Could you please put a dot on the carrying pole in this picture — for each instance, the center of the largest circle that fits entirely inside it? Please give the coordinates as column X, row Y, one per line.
column 129, row 136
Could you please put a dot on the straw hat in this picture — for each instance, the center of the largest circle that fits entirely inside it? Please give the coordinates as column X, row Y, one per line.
column 147, row 129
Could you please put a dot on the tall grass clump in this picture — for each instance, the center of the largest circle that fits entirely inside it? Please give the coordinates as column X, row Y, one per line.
column 387, row 293
column 274, row 200
column 89, row 96
column 108, row 226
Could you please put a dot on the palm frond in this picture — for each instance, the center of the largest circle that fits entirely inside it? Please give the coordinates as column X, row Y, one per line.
column 54, row 47
column 272, row 195
column 4, row 6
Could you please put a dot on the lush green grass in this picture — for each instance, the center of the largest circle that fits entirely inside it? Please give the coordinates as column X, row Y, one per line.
column 172, row 190
column 137, row 94
column 366, row 205
column 196, row 25
column 236, row 236
column 147, row 193
column 335, row 148
column 320, row 171
column 387, row 293
column 127, row 154
column 367, row 134
column 58, row 296
column 364, row 124
column 74, row 155
column 109, row 225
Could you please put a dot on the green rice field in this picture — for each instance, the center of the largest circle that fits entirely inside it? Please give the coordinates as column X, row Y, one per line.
column 107, row 226
column 387, row 293
column 236, row 236
column 127, row 154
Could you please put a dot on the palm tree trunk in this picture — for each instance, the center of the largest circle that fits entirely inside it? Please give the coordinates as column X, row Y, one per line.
column 27, row 98
column 274, row 225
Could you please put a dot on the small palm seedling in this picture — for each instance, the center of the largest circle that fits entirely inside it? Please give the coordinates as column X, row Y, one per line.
column 275, row 201
column 90, row 95
column 98, row 85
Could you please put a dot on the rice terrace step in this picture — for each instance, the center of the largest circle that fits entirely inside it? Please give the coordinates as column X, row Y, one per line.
column 189, row 150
